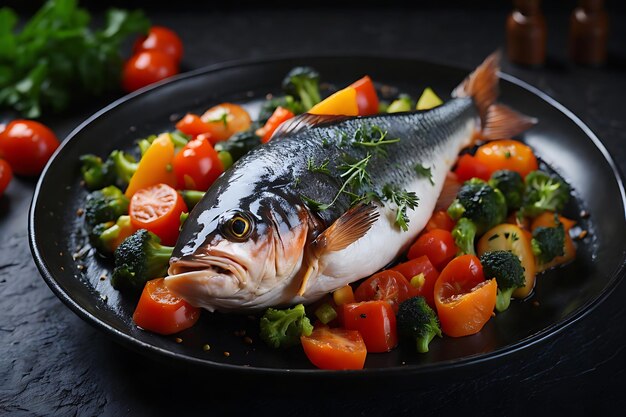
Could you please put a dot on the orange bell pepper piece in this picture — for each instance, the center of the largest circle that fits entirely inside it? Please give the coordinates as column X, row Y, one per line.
column 341, row 103
column 155, row 167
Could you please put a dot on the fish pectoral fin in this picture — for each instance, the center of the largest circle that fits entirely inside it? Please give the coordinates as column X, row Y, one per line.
column 303, row 122
column 347, row 229
column 305, row 279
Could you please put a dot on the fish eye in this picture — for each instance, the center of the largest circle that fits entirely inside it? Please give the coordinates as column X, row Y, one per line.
column 238, row 227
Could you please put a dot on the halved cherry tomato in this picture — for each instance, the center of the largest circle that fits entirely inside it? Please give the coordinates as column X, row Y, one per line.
column 438, row 245
column 161, row 39
column 366, row 96
column 5, row 175
column 147, row 67
column 375, row 321
column 279, row 116
column 155, row 166
column 27, row 145
column 197, row 165
column 160, row 311
column 464, row 300
column 440, row 220
column 389, row 285
column 507, row 154
column 468, row 167
column 412, row 269
column 335, row 348
column 192, row 125
column 224, row 120
column 158, row 209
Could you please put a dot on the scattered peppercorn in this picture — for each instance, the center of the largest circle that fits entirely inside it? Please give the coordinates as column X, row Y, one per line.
column 227, row 354
column 247, row 340
column 206, row 347
column 178, row 340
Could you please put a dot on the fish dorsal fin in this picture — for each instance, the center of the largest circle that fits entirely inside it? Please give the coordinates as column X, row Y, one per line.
column 482, row 84
column 303, row 122
column 347, row 229
column 503, row 122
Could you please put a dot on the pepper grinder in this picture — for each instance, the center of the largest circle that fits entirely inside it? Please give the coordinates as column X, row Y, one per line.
column 589, row 26
column 526, row 33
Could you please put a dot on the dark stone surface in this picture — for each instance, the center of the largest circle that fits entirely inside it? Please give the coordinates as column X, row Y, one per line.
column 52, row 363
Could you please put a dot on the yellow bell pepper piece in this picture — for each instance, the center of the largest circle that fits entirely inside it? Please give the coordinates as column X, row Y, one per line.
column 155, row 167
column 343, row 295
column 342, row 103
column 428, row 100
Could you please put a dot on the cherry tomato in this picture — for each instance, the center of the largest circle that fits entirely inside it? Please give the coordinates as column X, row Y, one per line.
column 335, row 348
column 147, row 67
column 160, row 39
column 507, row 154
column 277, row 118
column 27, row 145
column 424, row 284
column 226, row 119
column 366, row 96
column 438, row 245
column 160, row 311
column 158, row 209
column 464, row 300
column 5, row 175
column 390, row 286
column 375, row 321
column 192, row 125
column 469, row 167
column 440, row 220
column 197, row 165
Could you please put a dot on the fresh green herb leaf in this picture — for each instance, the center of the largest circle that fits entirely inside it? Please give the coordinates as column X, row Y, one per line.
column 424, row 172
column 322, row 168
column 403, row 200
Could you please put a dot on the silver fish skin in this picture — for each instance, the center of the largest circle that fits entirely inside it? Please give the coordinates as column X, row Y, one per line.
column 213, row 268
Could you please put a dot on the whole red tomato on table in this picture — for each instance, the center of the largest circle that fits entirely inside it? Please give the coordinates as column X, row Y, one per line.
column 27, row 145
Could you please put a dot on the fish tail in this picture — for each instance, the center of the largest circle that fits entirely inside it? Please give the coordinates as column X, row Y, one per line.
column 497, row 121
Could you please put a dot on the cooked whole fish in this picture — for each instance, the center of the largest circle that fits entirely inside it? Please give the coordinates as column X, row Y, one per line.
column 318, row 206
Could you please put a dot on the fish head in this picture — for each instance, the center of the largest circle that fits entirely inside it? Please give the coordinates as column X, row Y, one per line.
column 239, row 253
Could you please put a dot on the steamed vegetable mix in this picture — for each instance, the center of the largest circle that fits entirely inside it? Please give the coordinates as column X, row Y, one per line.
column 500, row 225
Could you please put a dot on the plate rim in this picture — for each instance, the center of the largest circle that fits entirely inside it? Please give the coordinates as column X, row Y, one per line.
column 448, row 365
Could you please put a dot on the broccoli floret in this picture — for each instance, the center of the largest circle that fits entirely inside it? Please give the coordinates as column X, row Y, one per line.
column 464, row 234
column 283, row 328
column 138, row 259
column 105, row 205
column 548, row 242
column 480, row 203
column 508, row 271
column 239, row 144
column 511, row 184
column 417, row 321
column 104, row 235
column 116, row 170
column 544, row 192
column 191, row 197
column 303, row 83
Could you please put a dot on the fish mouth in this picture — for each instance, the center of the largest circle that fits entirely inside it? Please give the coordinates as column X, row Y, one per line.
column 197, row 279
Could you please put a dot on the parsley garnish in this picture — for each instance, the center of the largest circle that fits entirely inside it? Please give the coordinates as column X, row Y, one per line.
column 494, row 237
column 322, row 168
column 402, row 199
column 422, row 171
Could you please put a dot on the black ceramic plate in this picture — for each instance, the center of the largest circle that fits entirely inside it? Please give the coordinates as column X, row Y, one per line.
column 560, row 297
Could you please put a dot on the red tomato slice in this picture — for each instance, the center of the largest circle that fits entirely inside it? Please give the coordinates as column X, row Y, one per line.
column 197, row 165
column 415, row 267
column 469, row 167
column 224, row 120
column 27, row 145
column 438, row 245
column 335, row 349
column 158, row 209
column 440, row 220
column 160, row 311
column 375, row 321
column 464, row 300
column 277, row 118
column 366, row 96
column 389, row 285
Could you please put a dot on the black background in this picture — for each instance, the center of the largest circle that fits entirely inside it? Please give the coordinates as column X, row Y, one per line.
column 52, row 363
